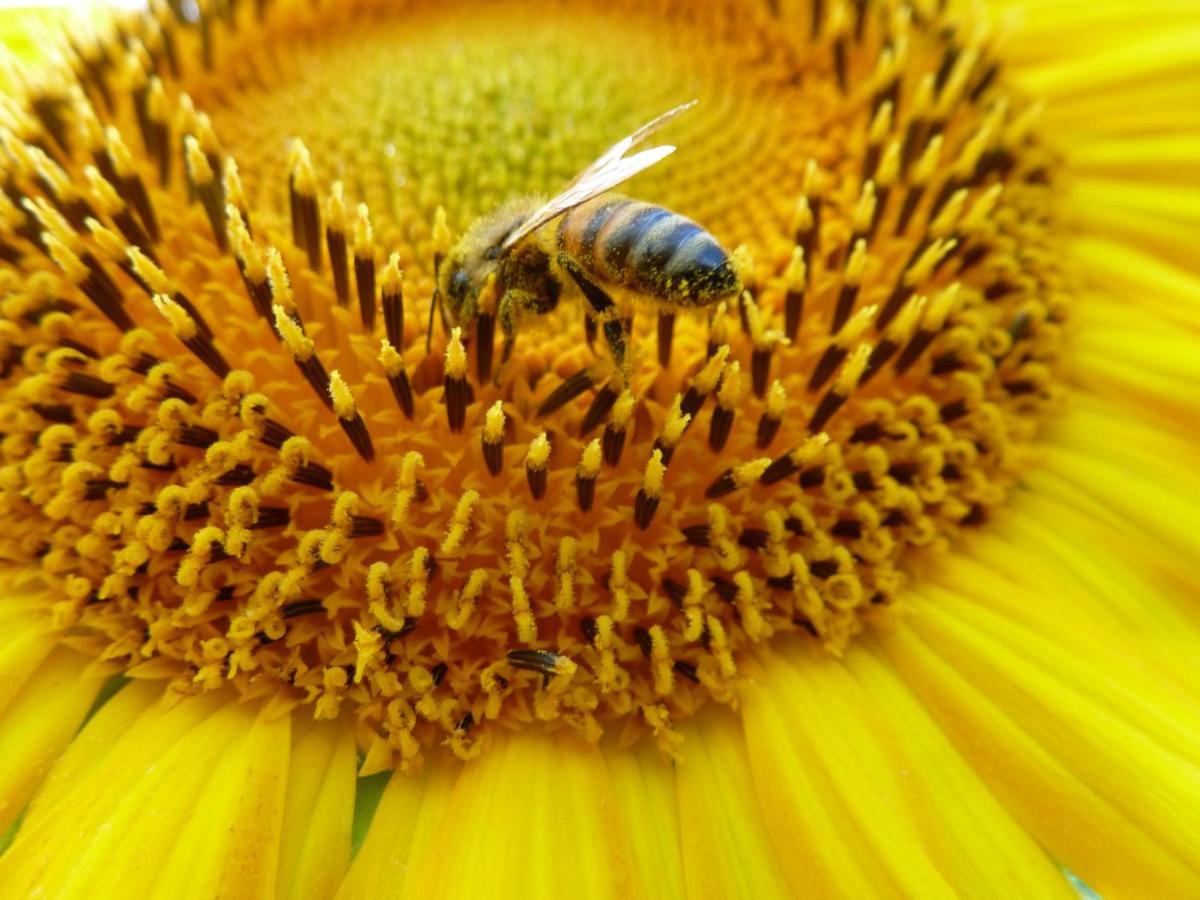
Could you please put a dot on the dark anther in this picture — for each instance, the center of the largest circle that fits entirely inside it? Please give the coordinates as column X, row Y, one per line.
column 697, row 535
column 272, row 517
column 302, row 608
column 823, row 568
column 585, row 492
column 719, row 428
column 365, row 526
column 753, row 539
column 768, row 427
column 955, row 409
column 722, row 485
column 566, row 392
column 466, row 723
column 725, row 588
column 537, row 480
column 687, row 670
column 612, row 443
column 779, row 469
column 587, row 626
column 237, row 476
column 602, row 404
column 863, row 481
column 438, row 672
column 543, row 661
column 642, row 638
column 826, row 366
column 847, row 528
column 644, row 508
column 675, row 592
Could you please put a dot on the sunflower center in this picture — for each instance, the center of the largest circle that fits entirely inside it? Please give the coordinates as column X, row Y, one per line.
column 235, row 461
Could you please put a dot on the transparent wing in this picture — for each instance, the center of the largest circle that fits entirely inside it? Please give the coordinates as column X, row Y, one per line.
column 609, row 170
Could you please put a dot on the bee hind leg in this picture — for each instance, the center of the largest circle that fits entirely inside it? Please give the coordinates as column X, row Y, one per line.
column 616, row 330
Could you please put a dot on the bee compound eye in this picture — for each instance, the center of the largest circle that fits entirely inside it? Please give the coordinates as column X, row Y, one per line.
column 459, row 282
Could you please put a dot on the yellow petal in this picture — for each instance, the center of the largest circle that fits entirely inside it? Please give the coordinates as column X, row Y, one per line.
column 26, row 644
column 971, row 836
column 229, row 845
column 722, row 832
column 1106, row 800
column 39, row 723
column 315, row 844
column 826, row 783
column 106, row 822
column 644, row 787
column 533, row 817
column 409, row 812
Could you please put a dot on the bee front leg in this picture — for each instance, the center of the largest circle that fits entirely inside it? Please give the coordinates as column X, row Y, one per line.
column 511, row 306
column 616, row 329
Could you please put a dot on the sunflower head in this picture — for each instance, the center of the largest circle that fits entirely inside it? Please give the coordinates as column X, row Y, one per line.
column 231, row 449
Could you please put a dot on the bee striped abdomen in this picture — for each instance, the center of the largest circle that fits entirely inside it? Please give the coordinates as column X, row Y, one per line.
column 648, row 248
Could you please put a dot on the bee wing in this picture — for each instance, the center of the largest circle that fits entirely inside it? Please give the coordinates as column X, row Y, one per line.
column 609, row 170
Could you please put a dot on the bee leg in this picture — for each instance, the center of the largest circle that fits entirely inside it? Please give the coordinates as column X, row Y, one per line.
column 616, row 329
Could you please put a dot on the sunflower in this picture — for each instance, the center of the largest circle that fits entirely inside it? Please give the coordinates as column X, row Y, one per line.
column 324, row 576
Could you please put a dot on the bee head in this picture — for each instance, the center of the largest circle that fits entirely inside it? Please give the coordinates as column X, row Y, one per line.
column 476, row 256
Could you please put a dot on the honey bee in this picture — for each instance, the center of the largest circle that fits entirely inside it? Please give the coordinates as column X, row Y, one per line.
column 601, row 241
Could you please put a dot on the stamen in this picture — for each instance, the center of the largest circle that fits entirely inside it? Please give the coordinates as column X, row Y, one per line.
column 796, row 278
column 208, row 189
column 364, row 266
column 493, row 438
column 349, row 417
column 772, row 416
column 392, row 300
column 850, row 285
column 704, row 382
column 738, row 477
column 842, row 387
column 184, row 327
column 586, row 474
column 457, row 393
column 673, row 427
column 571, row 388
column 536, row 460
column 235, row 194
column 840, row 347
column 306, row 210
column 460, row 523
column 613, row 441
column 397, row 377
column 336, row 228
column 304, row 354
column 648, row 495
column 729, row 397
column 125, row 174
column 250, row 263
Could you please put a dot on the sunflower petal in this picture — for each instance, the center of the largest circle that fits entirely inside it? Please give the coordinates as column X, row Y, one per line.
column 534, row 817
column 726, row 849
column 1106, row 798
column 826, row 783
column 315, row 843
column 646, row 797
column 39, row 723
column 403, row 826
